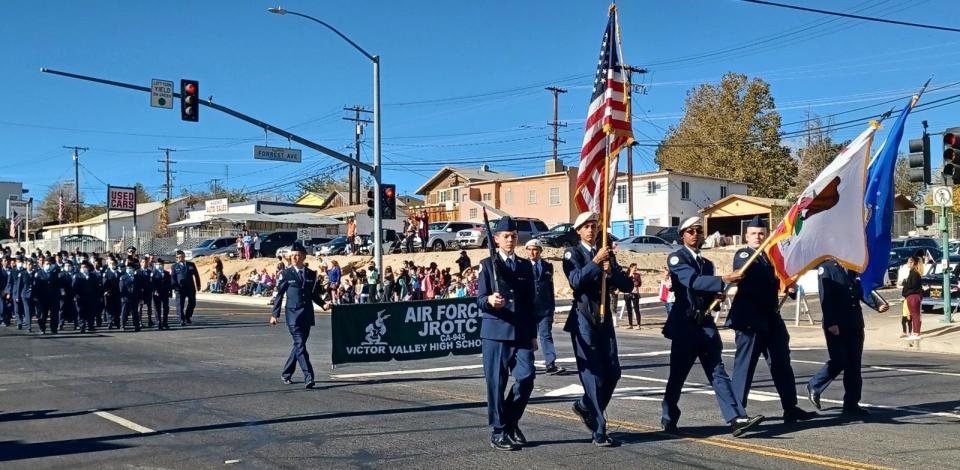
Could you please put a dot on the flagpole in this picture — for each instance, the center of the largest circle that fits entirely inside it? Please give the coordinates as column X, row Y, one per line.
column 605, row 215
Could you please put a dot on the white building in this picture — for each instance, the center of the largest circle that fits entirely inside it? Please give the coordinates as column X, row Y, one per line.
column 9, row 191
column 121, row 222
column 665, row 198
column 256, row 216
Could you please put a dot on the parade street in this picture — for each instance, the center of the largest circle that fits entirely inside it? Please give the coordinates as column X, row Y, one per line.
column 210, row 396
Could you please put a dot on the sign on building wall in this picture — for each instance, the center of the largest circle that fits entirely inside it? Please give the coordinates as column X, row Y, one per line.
column 121, row 198
column 216, row 206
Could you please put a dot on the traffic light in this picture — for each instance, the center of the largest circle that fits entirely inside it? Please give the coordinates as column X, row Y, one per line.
column 388, row 201
column 951, row 156
column 922, row 217
column 190, row 100
column 919, row 160
column 370, row 202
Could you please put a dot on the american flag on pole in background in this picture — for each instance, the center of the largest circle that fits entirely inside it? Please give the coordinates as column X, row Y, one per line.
column 608, row 125
column 15, row 222
column 60, row 208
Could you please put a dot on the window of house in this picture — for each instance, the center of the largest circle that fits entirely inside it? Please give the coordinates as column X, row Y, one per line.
column 651, row 187
column 555, row 196
column 653, row 222
column 487, row 196
column 473, row 213
column 532, row 196
column 508, row 198
column 456, row 194
column 674, row 221
column 621, row 194
column 684, row 191
column 443, row 196
column 723, row 192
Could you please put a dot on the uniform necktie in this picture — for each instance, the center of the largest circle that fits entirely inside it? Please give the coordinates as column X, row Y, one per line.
column 511, row 265
column 536, row 269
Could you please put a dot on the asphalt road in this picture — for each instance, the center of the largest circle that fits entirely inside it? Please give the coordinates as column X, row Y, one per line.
column 210, row 396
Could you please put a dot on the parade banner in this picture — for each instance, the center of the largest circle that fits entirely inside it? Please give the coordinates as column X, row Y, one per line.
column 405, row 331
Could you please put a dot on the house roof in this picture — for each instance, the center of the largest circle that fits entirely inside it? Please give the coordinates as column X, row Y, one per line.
column 762, row 201
column 469, row 174
column 143, row 208
column 658, row 174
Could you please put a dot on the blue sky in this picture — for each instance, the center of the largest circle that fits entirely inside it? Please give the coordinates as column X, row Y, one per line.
column 462, row 82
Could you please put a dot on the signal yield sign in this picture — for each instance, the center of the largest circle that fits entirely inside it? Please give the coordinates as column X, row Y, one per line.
column 942, row 196
column 161, row 94
column 279, row 154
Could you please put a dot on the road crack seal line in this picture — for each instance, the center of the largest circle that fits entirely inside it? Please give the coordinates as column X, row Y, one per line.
column 740, row 445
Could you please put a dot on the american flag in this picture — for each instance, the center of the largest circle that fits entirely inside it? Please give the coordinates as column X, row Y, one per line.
column 15, row 222
column 608, row 122
column 60, row 208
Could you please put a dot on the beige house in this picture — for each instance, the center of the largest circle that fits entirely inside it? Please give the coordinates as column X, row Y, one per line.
column 548, row 197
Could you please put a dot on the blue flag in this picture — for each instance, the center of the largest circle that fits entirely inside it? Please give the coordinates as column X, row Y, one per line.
column 878, row 201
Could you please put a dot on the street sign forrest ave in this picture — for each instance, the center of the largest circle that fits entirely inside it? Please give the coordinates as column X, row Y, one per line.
column 279, row 154
column 161, row 94
column 405, row 331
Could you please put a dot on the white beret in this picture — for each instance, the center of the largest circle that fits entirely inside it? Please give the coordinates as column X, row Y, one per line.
column 584, row 218
column 533, row 243
column 690, row 223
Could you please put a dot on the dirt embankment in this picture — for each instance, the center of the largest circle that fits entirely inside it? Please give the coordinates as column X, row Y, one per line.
column 651, row 264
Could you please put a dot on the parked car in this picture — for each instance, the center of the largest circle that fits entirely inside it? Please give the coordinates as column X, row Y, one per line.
column 83, row 242
column 559, row 236
column 337, row 246
column 443, row 235
column 898, row 257
column 932, row 285
column 213, row 247
column 527, row 228
column 915, row 242
column 310, row 245
column 273, row 241
column 669, row 235
column 645, row 244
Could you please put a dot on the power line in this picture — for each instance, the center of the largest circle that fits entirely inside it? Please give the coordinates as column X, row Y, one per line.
column 858, row 17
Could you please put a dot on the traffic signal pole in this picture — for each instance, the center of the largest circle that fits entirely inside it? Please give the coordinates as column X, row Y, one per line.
column 945, row 233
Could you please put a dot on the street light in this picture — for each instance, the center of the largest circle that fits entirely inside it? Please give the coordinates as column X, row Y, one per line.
column 377, row 220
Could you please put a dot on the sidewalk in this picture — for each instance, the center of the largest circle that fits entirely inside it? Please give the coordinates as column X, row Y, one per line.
column 882, row 329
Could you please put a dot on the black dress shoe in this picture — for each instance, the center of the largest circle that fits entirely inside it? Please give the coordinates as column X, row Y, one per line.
column 183, row 323
column 742, row 424
column 585, row 416
column 670, row 427
column 502, row 442
column 603, row 440
column 814, row 398
column 517, row 436
column 310, row 384
column 552, row 369
column 797, row 414
column 855, row 411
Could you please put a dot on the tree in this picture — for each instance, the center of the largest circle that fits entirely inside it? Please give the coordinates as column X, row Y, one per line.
column 142, row 194
column 47, row 210
column 731, row 130
column 901, row 180
column 817, row 152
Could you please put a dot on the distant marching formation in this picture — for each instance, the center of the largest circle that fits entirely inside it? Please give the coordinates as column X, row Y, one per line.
column 511, row 299
column 90, row 291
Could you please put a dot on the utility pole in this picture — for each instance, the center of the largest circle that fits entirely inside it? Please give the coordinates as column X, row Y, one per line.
column 76, row 179
column 168, row 186
column 354, row 175
column 556, row 124
column 630, row 70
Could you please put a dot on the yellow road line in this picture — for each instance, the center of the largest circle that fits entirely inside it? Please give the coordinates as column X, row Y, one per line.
column 787, row 454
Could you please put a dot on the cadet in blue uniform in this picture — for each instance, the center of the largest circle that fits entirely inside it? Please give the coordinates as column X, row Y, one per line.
column 186, row 282
column 300, row 285
column 111, row 293
column 161, row 286
column 544, row 304
column 694, row 334
column 68, row 305
column 508, row 328
column 50, row 297
column 15, row 288
column 755, row 317
column 840, row 294
column 594, row 339
column 130, row 297
column 6, row 306
column 145, row 289
column 30, row 290
column 86, row 293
